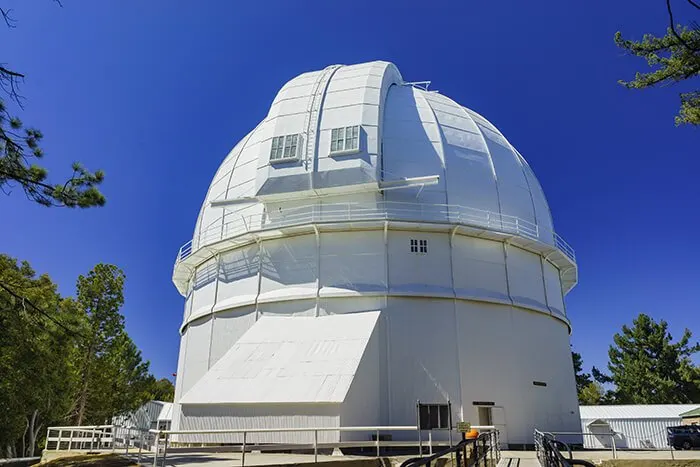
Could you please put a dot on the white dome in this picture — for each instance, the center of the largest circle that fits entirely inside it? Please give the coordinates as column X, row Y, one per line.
column 370, row 244
column 406, row 133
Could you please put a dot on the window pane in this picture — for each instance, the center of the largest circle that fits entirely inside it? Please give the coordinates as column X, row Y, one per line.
column 444, row 417
column 341, row 138
column 276, row 151
column 434, row 416
column 290, row 146
column 424, row 417
column 348, row 138
column 293, row 146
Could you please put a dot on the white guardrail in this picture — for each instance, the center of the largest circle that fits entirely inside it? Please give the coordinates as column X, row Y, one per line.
column 566, row 436
column 232, row 224
column 113, row 438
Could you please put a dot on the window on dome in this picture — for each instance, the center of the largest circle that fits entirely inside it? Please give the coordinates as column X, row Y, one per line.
column 284, row 148
column 419, row 246
column 345, row 140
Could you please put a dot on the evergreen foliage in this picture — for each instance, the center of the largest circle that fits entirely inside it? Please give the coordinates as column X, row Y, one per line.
column 673, row 58
column 21, row 154
column 65, row 360
column 647, row 367
column 582, row 379
column 592, row 394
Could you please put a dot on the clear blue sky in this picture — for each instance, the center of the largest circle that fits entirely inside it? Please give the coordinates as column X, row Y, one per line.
column 157, row 92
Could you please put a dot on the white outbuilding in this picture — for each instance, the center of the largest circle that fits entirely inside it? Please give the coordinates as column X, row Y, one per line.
column 368, row 245
column 153, row 415
column 629, row 426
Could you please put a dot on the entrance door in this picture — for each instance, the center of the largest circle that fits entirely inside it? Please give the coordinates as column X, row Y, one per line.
column 496, row 416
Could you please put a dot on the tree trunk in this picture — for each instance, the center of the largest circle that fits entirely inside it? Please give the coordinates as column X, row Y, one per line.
column 24, row 438
column 34, row 428
column 84, row 390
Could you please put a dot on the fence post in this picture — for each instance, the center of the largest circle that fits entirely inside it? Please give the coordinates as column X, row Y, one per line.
column 377, row 442
column 243, row 450
column 114, row 439
column 430, row 442
column 498, row 445
column 612, row 437
column 155, row 453
column 46, row 444
column 315, row 446
column 70, row 440
column 165, row 447
column 58, row 443
column 138, row 461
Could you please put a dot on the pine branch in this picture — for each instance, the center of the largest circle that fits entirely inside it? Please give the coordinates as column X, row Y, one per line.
column 673, row 28
column 25, row 300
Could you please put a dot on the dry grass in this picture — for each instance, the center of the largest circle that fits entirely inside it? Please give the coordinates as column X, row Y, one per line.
column 91, row 460
column 651, row 463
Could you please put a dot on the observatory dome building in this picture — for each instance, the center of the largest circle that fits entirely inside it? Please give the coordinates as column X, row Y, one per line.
column 368, row 245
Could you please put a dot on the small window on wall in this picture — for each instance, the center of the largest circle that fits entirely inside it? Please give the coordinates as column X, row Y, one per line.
column 284, row 148
column 419, row 246
column 345, row 140
column 434, row 416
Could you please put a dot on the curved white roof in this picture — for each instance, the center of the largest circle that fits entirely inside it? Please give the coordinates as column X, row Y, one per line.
column 406, row 132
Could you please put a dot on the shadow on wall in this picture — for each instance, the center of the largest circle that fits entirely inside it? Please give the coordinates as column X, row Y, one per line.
column 408, row 149
column 282, row 262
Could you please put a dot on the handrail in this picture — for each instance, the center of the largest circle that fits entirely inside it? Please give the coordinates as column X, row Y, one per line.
column 549, row 455
column 286, row 430
column 481, row 447
column 233, row 224
column 115, row 436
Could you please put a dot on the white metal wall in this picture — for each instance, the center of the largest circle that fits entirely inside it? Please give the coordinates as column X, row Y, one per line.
column 632, row 433
column 340, row 264
column 449, row 328
column 362, row 403
column 233, row 417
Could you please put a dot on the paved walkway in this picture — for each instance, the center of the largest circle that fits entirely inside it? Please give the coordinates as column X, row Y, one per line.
column 508, row 458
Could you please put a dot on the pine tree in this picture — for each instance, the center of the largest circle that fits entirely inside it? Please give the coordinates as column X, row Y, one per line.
column 582, row 379
column 100, row 297
column 648, row 368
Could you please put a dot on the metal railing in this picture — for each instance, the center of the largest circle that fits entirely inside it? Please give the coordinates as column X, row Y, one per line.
column 163, row 439
column 162, row 442
column 483, row 450
column 616, row 444
column 549, row 454
column 99, row 438
column 231, row 225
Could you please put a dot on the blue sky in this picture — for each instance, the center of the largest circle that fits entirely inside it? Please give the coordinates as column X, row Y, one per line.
column 157, row 92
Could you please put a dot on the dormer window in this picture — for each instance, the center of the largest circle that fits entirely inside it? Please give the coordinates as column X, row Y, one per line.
column 285, row 148
column 345, row 140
